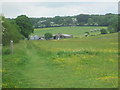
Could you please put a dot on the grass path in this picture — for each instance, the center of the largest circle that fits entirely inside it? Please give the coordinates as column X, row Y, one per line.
column 36, row 69
column 42, row 72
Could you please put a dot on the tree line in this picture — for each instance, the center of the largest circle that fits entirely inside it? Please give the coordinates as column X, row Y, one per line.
column 109, row 19
column 78, row 20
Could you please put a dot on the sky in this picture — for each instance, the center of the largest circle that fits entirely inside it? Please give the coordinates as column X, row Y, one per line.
column 51, row 9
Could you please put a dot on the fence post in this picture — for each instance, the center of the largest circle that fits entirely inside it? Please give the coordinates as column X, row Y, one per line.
column 11, row 46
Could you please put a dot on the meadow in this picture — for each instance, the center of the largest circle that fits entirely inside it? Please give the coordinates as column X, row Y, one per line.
column 76, row 31
column 89, row 62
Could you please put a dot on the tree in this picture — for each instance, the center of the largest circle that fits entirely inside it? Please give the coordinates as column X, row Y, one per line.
column 25, row 25
column 114, row 25
column 10, row 31
column 111, row 29
column 58, row 20
column 48, row 36
column 82, row 18
column 87, row 33
column 118, row 24
column 90, row 21
column 0, row 29
column 103, row 31
column 68, row 21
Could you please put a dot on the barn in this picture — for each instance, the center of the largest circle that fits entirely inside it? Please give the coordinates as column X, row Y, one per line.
column 62, row 36
column 35, row 37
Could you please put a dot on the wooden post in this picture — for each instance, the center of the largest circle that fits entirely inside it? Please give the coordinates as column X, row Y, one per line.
column 11, row 46
column 58, row 36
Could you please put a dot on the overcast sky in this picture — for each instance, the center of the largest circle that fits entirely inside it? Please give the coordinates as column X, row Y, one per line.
column 51, row 9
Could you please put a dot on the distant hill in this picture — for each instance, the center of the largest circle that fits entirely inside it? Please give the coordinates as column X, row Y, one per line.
column 78, row 20
column 75, row 31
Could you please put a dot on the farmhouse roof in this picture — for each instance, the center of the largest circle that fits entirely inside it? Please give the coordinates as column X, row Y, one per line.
column 65, row 34
column 62, row 34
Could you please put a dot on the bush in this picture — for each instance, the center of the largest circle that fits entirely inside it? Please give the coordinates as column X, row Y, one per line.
column 6, row 51
column 111, row 29
column 48, row 36
column 10, row 32
column 103, row 31
column 87, row 33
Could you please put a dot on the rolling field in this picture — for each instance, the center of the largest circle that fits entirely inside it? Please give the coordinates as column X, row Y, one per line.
column 90, row 62
column 75, row 31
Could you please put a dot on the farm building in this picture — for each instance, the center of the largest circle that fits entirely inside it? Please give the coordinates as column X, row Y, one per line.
column 35, row 37
column 56, row 36
column 62, row 36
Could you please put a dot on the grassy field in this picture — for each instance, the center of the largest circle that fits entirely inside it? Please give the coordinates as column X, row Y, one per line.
column 90, row 62
column 75, row 31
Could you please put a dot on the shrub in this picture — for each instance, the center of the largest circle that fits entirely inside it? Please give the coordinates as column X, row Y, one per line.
column 6, row 51
column 87, row 33
column 111, row 29
column 103, row 31
column 10, row 32
column 48, row 36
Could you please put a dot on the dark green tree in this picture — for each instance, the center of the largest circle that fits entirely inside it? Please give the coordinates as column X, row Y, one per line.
column 82, row 18
column 87, row 33
column 58, row 20
column 90, row 21
column 114, row 24
column 111, row 29
column 48, row 36
column 25, row 25
column 118, row 24
column 103, row 31
column 68, row 21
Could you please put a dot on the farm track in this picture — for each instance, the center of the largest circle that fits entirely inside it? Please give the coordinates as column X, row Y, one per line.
column 34, row 67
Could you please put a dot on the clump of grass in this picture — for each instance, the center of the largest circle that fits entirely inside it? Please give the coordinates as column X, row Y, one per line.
column 69, row 53
column 21, row 60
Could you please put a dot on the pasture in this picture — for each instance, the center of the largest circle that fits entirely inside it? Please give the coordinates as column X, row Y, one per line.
column 75, row 31
column 90, row 62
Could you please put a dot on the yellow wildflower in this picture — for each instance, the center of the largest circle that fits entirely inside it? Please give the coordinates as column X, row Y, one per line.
column 105, row 78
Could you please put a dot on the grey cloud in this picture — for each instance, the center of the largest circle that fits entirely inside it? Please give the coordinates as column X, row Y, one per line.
column 36, row 9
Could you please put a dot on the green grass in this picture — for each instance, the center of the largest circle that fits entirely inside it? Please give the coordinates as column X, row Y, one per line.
column 90, row 62
column 76, row 31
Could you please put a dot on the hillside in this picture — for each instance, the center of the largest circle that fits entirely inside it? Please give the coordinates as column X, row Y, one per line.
column 75, row 31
